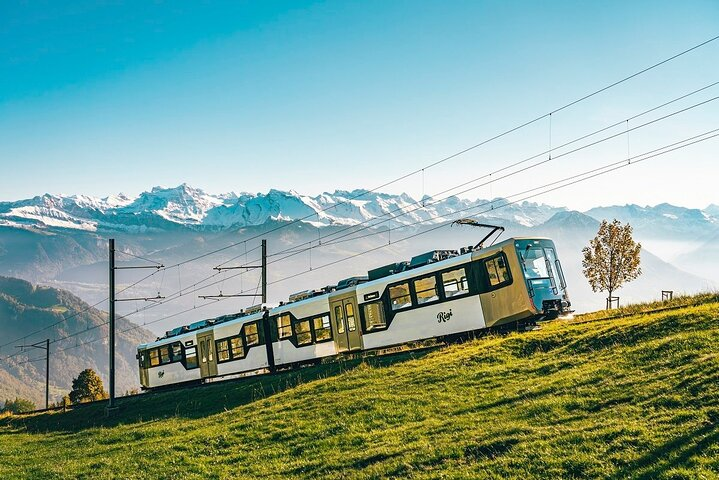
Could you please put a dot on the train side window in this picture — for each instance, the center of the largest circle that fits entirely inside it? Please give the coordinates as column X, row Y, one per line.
column 154, row 357
column 322, row 328
column 340, row 319
column 223, row 350
column 303, row 332
column 350, row 312
column 165, row 354
column 399, row 296
column 176, row 352
column 426, row 289
column 284, row 326
column 496, row 271
column 251, row 335
column 236, row 347
column 455, row 282
column 374, row 316
column 191, row 358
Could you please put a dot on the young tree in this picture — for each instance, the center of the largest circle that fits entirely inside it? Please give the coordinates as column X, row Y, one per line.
column 19, row 405
column 612, row 258
column 87, row 387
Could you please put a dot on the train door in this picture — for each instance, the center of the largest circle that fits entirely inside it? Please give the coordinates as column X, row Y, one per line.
column 144, row 372
column 208, row 359
column 506, row 299
column 347, row 332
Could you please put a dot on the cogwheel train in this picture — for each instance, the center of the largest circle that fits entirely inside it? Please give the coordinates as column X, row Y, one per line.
column 440, row 294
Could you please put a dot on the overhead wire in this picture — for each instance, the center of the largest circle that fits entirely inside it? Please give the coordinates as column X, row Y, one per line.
column 572, row 180
column 137, row 256
column 404, row 210
column 73, row 315
column 339, row 240
column 328, row 243
column 526, row 194
column 192, row 289
column 459, row 153
column 400, row 178
column 540, row 163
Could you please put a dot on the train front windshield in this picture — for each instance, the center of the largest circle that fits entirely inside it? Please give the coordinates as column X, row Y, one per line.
column 542, row 271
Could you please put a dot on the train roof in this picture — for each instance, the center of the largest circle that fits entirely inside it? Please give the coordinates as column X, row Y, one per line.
column 179, row 333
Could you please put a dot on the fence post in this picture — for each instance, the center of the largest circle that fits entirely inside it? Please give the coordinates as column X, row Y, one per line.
column 611, row 301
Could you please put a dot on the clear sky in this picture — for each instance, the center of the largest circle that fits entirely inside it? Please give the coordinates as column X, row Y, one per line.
column 105, row 97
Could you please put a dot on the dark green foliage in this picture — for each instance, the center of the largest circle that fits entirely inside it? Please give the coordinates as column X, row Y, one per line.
column 87, row 387
column 19, row 405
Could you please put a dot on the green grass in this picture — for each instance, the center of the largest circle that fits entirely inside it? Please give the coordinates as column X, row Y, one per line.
column 633, row 397
column 677, row 302
column 59, row 308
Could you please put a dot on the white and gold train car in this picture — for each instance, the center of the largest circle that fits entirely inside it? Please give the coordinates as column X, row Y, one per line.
column 440, row 294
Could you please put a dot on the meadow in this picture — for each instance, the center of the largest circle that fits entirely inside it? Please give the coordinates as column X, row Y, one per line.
column 633, row 396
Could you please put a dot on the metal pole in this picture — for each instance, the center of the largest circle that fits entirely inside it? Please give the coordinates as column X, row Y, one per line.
column 47, row 374
column 47, row 366
column 265, row 316
column 111, row 403
column 264, row 271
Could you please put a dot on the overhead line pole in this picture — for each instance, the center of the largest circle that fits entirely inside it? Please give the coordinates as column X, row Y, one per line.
column 111, row 313
column 43, row 346
column 266, row 318
column 111, row 402
column 265, row 321
column 47, row 373
column 264, row 270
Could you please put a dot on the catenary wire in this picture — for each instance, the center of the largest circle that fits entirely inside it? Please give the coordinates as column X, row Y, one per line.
column 461, row 152
column 563, row 183
column 442, row 160
column 379, row 219
column 328, row 243
column 405, row 212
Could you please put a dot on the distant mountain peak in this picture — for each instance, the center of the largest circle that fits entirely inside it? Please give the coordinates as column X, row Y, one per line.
column 712, row 210
column 571, row 219
column 185, row 206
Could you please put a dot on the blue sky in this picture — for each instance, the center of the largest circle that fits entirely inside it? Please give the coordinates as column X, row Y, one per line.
column 99, row 98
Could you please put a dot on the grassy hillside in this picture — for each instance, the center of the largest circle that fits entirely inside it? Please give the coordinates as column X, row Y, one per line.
column 630, row 397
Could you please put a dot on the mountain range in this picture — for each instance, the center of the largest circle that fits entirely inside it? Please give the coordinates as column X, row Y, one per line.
column 185, row 206
column 61, row 241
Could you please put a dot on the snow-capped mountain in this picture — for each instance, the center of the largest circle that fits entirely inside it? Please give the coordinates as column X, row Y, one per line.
column 663, row 219
column 62, row 240
column 712, row 210
column 185, row 206
column 167, row 209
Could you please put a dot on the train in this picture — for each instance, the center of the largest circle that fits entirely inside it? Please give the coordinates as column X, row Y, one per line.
column 441, row 294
